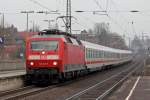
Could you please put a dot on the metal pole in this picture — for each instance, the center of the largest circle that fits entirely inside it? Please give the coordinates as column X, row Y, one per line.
column 129, row 43
column 70, row 15
column 67, row 14
column 49, row 24
column 33, row 26
column 3, row 22
column 27, row 21
column 27, row 12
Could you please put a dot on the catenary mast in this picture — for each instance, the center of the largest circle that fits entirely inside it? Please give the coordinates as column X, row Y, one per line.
column 68, row 17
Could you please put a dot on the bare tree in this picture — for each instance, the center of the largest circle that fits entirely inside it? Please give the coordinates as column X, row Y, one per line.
column 100, row 28
column 137, row 44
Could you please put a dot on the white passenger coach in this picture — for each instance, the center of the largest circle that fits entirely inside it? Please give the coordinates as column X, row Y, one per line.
column 98, row 56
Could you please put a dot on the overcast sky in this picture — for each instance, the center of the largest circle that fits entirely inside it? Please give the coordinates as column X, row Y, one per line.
column 119, row 11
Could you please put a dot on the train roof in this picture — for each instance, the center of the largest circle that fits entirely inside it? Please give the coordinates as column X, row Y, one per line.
column 59, row 34
column 55, row 32
column 47, row 36
column 104, row 48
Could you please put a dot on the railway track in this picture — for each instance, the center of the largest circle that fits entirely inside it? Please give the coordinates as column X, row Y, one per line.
column 32, row 90
column 23, row 92
column 101, row 90
column 28, row 91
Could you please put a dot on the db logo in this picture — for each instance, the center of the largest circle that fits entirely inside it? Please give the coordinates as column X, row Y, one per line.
column 43, row 57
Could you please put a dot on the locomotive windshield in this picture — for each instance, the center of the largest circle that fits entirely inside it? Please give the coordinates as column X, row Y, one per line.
column 44, row 45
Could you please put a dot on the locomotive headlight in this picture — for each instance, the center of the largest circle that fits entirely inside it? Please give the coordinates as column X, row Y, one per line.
column 55, row 63
column 43, row 52
column 31, row 63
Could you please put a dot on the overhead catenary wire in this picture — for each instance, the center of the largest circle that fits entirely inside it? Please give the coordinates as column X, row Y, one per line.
column 125, row 20
column 85, row 26
column 115, row 22
column 41, row 5
column 107, row 4
column 108, row 15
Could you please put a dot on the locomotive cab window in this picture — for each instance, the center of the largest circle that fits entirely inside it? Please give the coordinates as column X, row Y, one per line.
column 44, row 45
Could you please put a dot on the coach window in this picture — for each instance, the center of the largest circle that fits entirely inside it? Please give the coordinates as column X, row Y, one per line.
column 120, row 55
column 88, row 53
column 112, row 55
column 86, row 50
column 97, row 54
column 91, row 53
column 94, row 53
column 108, row 54
column 115, row 55
column 102, row 54
column 105, row 54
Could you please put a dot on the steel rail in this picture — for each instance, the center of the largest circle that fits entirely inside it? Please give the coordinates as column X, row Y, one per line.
column 77, row 95
column 24, row 93
column 105, row 94
column 28, row 91
column 15, row 90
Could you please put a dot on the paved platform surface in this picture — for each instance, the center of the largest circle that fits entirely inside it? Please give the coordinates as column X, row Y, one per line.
column 7, row 74
column 6, row 65
column 141, row 91
column 135, row 88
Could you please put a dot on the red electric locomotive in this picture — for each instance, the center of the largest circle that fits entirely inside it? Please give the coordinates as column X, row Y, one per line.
column 53, row 55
